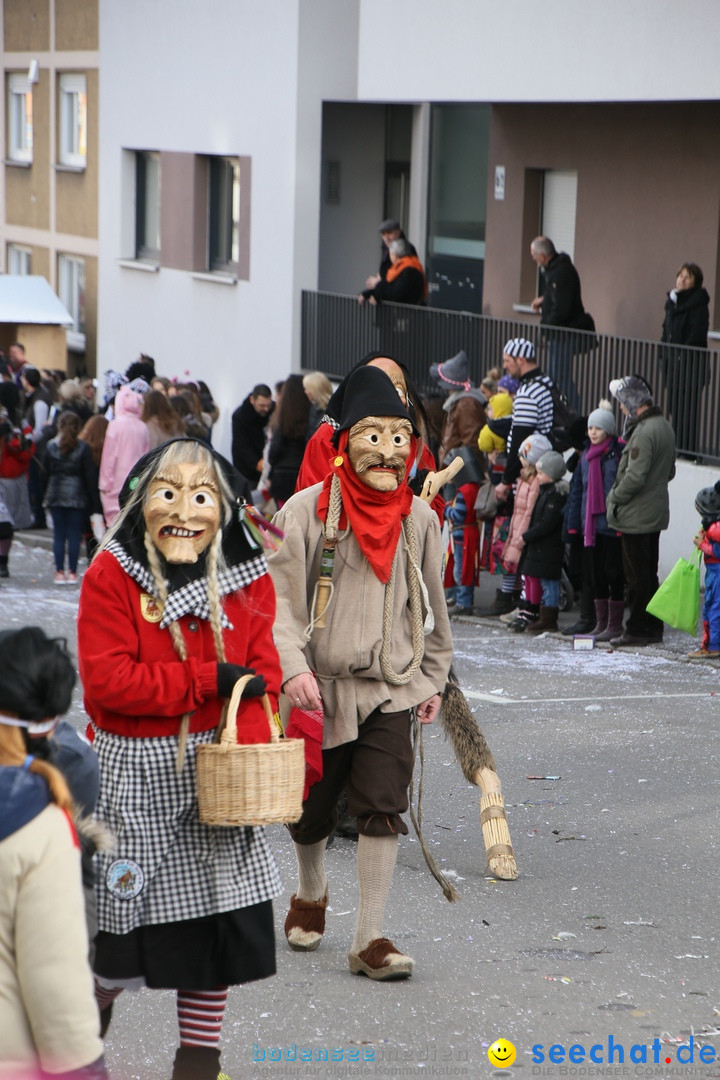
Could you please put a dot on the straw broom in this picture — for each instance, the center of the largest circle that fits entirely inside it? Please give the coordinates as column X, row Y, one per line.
column 476, row 761
column 471, row 749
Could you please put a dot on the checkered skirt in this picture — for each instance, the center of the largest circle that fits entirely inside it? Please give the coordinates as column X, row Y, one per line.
column 166, row 866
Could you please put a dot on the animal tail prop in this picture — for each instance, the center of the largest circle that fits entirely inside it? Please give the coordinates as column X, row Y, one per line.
column 477, row 764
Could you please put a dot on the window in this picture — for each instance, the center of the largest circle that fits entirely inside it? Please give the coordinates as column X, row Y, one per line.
column 19, row 260
column 73, row 121
column 71, row 290
column 559, row 200
column 147, row 205
column 20, row 119
column 224, row 214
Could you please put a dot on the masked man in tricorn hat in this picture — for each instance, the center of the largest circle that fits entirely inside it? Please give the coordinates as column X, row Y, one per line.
column 363, row 633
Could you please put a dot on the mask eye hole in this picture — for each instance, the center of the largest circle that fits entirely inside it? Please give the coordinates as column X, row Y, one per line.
column 203, row 499
column 373, row 438
column 167, row 495
column 399, row 439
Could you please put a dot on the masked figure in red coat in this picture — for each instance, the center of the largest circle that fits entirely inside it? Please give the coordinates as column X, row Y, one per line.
column 175, row 607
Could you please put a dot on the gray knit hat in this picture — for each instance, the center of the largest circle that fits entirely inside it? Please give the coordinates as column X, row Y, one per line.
column 603, row 418
column 552, row 464
column 632, row 392
column 532, row 448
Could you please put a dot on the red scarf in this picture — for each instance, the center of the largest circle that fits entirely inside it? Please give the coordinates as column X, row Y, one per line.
column 375, row 517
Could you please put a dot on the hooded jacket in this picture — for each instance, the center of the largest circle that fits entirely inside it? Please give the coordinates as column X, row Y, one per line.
column 127, row 439
column 48, row 1014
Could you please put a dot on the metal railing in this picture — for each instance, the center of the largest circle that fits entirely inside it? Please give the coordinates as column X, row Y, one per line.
column 337, row 332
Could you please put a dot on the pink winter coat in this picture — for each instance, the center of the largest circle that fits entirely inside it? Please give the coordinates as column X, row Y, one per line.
column 526, row 494
column 127, row 439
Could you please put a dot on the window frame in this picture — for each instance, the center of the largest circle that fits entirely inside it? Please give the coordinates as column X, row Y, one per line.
column 19, row 87
column 145, row 252
column 71, row 271
column 23, row 255
column 72, row 120
column 223, row 214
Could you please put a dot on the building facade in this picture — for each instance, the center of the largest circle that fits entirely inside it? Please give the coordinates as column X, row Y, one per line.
column 249, row 152
column 49, row 178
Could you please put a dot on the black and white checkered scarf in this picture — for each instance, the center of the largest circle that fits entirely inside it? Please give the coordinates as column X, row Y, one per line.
column 191, row 597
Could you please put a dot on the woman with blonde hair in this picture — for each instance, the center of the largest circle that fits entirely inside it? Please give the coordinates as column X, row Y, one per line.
column 318, row 389
column 48, row 1014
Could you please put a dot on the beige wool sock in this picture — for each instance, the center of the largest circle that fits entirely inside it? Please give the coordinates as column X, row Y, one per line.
column 376, row 860
column 312, row 879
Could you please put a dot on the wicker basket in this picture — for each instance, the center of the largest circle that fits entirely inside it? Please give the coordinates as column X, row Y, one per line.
column 259, row 784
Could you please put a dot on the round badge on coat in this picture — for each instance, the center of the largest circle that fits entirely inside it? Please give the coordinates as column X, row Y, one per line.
column 124, row 879
column 150, row 608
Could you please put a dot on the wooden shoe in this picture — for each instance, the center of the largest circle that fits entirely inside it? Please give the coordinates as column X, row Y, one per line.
column 380, row 960
column 305, row 923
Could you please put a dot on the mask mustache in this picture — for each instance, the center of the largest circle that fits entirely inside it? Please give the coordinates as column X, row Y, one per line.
column 369, row 461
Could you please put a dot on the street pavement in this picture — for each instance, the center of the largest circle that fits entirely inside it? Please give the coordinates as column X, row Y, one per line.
column 607, row 940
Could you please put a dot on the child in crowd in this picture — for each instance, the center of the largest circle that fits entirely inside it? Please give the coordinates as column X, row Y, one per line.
column 602, row 564
column 707, row 504
column 526, row 493
column 542, row 558
column 465, row 538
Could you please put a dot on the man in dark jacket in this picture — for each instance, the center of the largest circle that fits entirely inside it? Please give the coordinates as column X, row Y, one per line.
column 249, row 422
column 638, row 504
column 559, row 304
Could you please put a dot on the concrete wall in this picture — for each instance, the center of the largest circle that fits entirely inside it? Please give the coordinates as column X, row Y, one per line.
column 250, row 82
column 677, row 541
column 354, row 136
column 538, row 50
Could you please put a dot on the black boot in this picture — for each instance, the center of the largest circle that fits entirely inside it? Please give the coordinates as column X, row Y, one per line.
column 503, row 604
column 4, row 566
column 547, row 621
column 196, row 1063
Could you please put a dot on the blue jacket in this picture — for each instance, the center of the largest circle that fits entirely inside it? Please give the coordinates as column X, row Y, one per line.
column 577, row 499
column 23, row 795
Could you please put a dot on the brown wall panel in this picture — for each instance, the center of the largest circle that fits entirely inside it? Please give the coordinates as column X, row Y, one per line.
column 76, row 195
column 182, row 187
column 91, row 291
column 647, row 200
column 76, row 24
column 27, row 191
column 26, row 25
column 40, row 259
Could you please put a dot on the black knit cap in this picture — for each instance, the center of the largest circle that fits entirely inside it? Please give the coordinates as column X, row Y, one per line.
column 370, row 392
column 236, row 546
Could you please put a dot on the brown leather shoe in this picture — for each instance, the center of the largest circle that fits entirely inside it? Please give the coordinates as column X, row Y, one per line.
column 305, row 923
column 381, row 960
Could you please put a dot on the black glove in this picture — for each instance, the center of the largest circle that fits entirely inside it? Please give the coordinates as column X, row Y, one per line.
column 228, row 675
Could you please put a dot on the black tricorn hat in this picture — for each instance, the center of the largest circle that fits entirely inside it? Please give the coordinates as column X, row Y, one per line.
column 370, row 392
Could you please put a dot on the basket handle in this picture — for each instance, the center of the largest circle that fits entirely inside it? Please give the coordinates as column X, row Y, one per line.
column 229, row 734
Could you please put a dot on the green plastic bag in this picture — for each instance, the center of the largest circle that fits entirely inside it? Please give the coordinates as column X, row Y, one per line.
column 677, row 601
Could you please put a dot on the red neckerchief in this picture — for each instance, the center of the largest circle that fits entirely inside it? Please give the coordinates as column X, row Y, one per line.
column 375, row 517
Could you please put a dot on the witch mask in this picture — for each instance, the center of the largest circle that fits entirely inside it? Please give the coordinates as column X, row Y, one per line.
column 183, row 510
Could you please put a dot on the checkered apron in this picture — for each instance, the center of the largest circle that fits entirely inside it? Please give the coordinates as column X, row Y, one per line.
column 166, row 866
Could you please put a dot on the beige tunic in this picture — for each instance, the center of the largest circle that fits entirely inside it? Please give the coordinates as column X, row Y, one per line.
column 345, row 655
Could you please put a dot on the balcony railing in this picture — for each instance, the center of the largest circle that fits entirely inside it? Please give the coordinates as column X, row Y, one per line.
column 337, row 332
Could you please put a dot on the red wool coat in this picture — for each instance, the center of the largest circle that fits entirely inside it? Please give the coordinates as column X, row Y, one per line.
column 134, row 682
